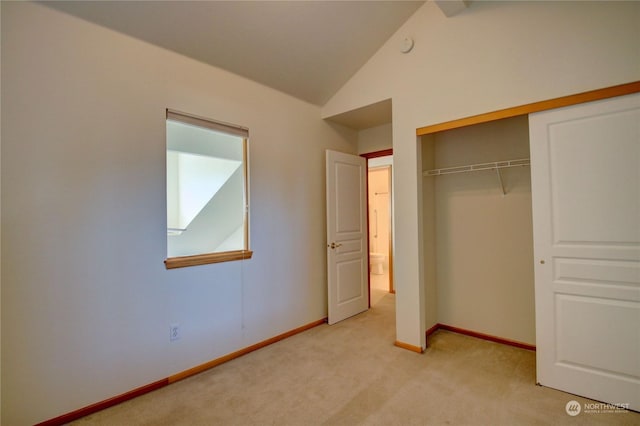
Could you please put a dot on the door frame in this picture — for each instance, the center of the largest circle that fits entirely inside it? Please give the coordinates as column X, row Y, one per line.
column 368, row 156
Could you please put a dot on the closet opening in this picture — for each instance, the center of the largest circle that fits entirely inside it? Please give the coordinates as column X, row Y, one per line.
column 478, row 230
column 584, row 235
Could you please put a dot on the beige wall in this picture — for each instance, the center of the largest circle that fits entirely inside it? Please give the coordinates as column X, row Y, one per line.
column 490, row 56
column 375, row 139
column 86, row 299
column 483, row 239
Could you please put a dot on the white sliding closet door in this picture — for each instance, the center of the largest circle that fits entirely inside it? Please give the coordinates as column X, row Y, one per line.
column 585, row 167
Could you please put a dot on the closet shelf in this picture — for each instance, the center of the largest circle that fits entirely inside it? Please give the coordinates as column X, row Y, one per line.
column 477, row 167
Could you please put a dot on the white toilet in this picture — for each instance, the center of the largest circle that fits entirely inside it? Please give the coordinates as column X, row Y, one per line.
column 376, row 261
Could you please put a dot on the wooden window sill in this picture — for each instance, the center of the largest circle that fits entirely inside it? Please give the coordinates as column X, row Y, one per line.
column 205, row 259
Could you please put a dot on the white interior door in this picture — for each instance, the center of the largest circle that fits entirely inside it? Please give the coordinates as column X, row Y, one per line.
column 585, row 167
column 347, row 256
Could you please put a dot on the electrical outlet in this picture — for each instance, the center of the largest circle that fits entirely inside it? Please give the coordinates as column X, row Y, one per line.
column 174, row 332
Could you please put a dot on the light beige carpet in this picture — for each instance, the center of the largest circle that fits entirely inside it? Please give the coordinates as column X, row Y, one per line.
column 351, row 374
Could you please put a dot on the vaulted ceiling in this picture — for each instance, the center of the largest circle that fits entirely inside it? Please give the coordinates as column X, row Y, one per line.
column 307, row 49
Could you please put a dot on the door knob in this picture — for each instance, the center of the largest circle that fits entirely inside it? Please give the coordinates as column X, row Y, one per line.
column 334, row 245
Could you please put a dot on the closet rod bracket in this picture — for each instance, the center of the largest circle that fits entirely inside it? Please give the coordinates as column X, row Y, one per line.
column 501, row 182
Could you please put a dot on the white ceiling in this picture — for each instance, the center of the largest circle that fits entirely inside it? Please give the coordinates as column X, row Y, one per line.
column 307, row 49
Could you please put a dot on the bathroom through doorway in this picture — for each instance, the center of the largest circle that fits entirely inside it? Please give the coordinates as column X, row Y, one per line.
column 380, row 212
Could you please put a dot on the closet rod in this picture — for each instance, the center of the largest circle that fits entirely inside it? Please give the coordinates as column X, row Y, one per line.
column 477, row 167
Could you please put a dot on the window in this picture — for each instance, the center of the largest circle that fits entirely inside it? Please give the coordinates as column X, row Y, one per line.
column 207, row 195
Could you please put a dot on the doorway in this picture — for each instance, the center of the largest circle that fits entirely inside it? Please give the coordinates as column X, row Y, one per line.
column 380, row 218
